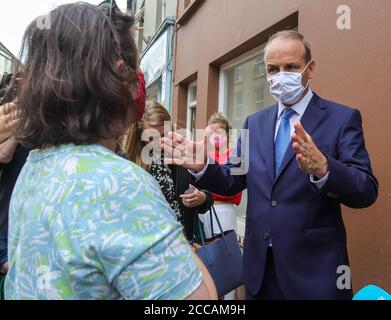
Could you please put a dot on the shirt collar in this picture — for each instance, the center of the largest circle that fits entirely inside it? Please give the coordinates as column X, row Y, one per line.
column 299, row 107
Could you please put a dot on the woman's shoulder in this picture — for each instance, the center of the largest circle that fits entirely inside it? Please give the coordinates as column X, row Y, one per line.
column 93, row 167
column 99, row 161
column 95, row 174
column 108, row 163
column 127, row 189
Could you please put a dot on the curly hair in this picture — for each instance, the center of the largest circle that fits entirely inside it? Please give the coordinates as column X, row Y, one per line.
column 77, row 78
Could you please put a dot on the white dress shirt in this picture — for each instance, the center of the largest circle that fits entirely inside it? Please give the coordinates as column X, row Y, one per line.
column 300, row 108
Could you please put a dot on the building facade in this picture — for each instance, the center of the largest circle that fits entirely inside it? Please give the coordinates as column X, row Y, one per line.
column 8, row 62
column 154, row 35
column 219, row 67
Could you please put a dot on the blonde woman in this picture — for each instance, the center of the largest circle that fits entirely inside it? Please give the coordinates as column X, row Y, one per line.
column 175, row 182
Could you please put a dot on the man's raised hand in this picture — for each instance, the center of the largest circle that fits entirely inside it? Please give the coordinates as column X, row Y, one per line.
column 308, row 156
column 183, row 152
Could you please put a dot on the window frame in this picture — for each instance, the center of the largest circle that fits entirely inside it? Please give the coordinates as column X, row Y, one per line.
column 263, row 69
column 261, row 88
column 230, row 64
column 190, row 106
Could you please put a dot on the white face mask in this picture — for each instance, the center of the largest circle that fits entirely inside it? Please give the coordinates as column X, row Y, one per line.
column 287, row 87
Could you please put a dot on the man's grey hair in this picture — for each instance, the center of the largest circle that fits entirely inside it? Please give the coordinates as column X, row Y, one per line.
column 292, row 34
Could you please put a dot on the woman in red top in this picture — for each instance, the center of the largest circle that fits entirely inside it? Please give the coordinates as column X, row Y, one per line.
column 224, row 205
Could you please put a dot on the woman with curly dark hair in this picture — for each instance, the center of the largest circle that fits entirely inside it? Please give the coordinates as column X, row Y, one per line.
column 85, row 223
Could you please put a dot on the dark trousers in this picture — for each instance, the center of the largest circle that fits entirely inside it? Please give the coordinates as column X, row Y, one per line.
column 270, row 289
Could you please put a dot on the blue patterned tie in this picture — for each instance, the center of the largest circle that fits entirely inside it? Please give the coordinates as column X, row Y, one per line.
column 283, row 137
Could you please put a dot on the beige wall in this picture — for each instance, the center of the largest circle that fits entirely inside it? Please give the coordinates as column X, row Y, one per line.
column 353, row 67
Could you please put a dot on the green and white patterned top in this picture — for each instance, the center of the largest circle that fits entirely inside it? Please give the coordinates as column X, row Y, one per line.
column 85, row 223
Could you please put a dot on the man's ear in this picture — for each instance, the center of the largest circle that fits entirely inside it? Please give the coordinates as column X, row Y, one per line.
column 311, row 69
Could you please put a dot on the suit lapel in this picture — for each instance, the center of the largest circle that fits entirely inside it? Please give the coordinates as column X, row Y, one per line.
column 269, row 126
column 311, row 118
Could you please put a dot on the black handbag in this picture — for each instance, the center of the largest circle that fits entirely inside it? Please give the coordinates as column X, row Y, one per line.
column 222, row 257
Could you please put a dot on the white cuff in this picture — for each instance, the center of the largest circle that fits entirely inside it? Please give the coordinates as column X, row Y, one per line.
column 319, row 183
column 198, row 175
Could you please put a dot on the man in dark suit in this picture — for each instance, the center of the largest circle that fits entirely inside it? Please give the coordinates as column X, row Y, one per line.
column 306, row 156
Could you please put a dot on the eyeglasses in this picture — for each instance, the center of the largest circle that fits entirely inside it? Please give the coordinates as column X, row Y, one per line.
column 110, row 5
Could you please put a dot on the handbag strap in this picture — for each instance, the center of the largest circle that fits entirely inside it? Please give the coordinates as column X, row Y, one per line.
column 211, row 221
column 221, row 229
column 194, row 226
column 212, row 211
column 198, row 221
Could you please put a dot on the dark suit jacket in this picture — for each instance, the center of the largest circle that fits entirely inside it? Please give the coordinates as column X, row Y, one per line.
column 182, row 179
column 305, row 223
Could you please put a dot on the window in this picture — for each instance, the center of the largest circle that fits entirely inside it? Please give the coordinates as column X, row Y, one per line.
column 164, row 9
column 192, row 109
column 243, row 87
column 140, row 39
column 243, row 91
column 139, row 17
column 259, row 68
column 238, row 74
column 161, row 6
column 154, row 91
column 259, row 97
column 238, row 105
column 132, row 6
column 5, row 61
column 158, row 14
